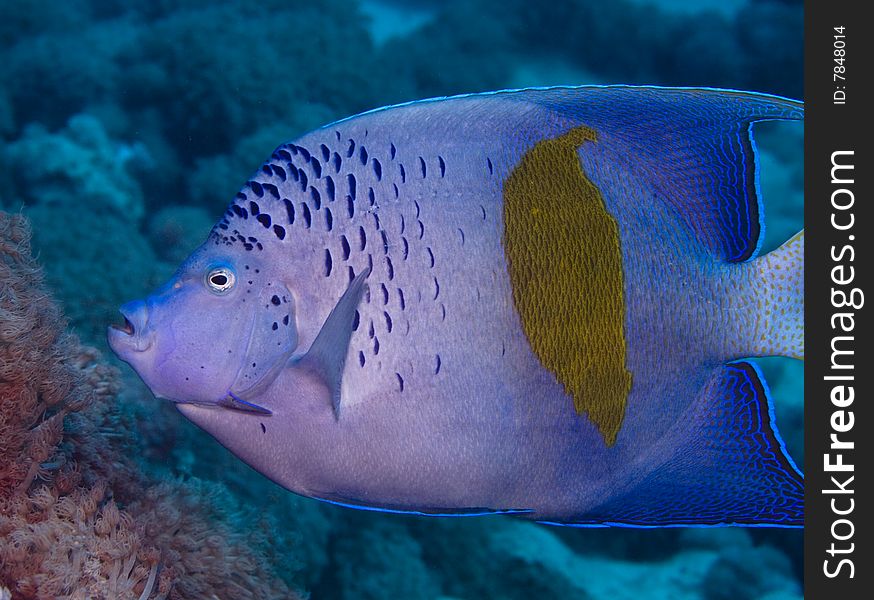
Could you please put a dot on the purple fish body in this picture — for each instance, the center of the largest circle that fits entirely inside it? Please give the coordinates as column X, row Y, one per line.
column 534, row 302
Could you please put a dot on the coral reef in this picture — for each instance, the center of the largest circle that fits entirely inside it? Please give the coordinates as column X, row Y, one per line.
column 376, row 574
column 35, row 371
column 65, row 65
column 657, row 46
column 502, row 558
column 225, row 98
column 77, row 517
column 79, row 165
column 80, row 190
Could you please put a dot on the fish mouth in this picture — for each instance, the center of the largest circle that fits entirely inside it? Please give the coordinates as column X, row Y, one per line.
column 127, row 328
column 130, row 335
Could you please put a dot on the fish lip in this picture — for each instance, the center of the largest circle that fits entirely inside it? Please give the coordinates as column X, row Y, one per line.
column 133, row 336
column 124, row 343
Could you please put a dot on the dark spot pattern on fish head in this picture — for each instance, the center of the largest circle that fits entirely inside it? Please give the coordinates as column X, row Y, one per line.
column 321, row 204
column 302, row 197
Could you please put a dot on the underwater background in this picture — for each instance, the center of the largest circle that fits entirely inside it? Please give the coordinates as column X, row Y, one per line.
column 126, row 127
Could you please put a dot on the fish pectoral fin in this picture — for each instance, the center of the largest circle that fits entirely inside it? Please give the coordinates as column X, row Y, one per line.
column 327, row 355
column 234, row 402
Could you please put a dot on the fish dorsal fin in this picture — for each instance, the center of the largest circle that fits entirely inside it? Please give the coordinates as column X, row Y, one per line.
column 327, row 355
column 712, row 166
column 694, row 148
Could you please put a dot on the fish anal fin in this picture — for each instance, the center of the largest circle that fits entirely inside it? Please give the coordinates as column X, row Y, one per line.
column 728, row 467
column 326, row 358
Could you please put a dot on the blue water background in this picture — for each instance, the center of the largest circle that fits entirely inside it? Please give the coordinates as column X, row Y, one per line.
column 128, row 126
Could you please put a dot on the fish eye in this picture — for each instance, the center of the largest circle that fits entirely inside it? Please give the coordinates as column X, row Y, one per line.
column 220, row 279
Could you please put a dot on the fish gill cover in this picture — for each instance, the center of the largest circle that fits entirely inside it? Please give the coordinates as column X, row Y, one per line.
column 128, row 126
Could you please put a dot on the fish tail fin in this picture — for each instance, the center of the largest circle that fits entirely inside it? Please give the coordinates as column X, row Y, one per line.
column 779, row 320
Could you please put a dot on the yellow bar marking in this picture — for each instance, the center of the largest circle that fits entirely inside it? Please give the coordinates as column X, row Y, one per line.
column 565, row 265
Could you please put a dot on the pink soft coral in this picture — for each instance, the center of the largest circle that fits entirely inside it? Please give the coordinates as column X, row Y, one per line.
column 77, row 519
